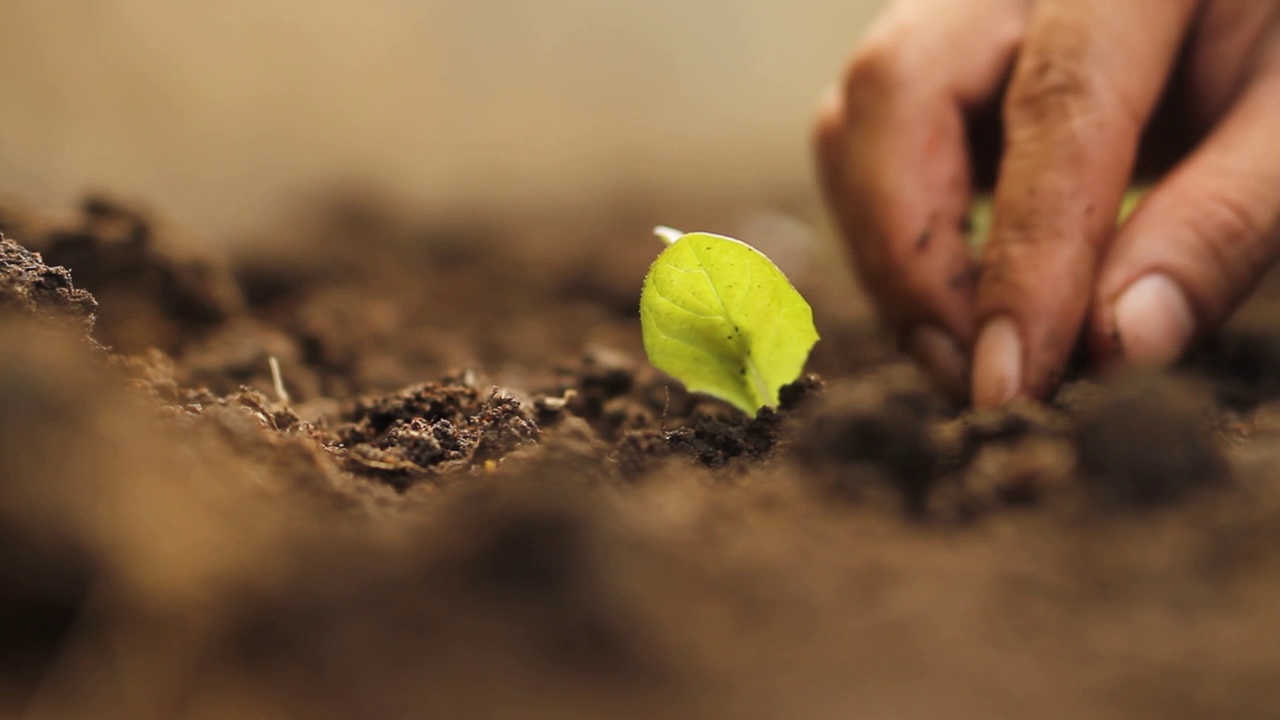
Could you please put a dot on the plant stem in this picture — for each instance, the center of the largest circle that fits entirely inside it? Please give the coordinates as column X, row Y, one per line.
column 668, row 234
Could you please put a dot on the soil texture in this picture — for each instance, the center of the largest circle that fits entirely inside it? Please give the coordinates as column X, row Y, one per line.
column 371, row 467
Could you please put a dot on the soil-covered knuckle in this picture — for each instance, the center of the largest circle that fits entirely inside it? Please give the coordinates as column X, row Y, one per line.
column 1149, row 445
column 1229, row 243
column 877, row 71
column 827, row 139
column 1056, row 86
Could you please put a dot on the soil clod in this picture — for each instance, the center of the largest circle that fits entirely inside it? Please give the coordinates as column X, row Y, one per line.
column 30, row 286
column 1148, row 445
column 860, row 427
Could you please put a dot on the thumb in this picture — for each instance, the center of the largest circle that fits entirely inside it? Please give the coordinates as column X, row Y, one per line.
column 1198, row 243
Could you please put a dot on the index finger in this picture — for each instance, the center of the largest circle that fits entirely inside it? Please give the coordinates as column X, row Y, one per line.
column 1085, row 83
column 892, row 149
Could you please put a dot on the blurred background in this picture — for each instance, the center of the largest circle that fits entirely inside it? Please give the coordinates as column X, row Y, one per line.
column 219, row 113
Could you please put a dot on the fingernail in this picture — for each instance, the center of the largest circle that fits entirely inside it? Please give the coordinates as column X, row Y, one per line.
column 941, row 358
column 1154, row 321
column 997, row 363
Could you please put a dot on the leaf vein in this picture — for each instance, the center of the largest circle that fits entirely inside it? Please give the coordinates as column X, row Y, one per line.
column 697, row 348
column 661, row 296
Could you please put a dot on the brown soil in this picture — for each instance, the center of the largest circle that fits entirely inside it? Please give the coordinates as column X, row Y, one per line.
column 476, row 499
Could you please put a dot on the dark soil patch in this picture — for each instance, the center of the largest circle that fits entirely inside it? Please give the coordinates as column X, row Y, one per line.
column 1148, row 446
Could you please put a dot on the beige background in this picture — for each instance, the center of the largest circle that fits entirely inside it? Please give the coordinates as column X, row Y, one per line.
column 218, row 112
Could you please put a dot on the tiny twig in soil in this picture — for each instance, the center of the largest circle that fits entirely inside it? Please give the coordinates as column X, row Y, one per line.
column 277, row 381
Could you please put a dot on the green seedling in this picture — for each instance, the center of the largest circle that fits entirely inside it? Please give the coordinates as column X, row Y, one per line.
column 719, row 316
column 980, row 215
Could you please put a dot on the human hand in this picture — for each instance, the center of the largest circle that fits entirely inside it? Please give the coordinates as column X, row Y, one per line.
column 1079, row 86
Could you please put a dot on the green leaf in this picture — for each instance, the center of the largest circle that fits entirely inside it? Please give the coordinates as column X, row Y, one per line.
column 720, row 317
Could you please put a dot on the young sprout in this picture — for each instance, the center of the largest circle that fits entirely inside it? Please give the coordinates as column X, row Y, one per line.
column 719, row 316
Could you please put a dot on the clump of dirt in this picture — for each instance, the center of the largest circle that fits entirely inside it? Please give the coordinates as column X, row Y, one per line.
column 877, row 430
column 465, row 493
column 155, row 290
column 1148, row 445
column 29, row 286
column 432, row 430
